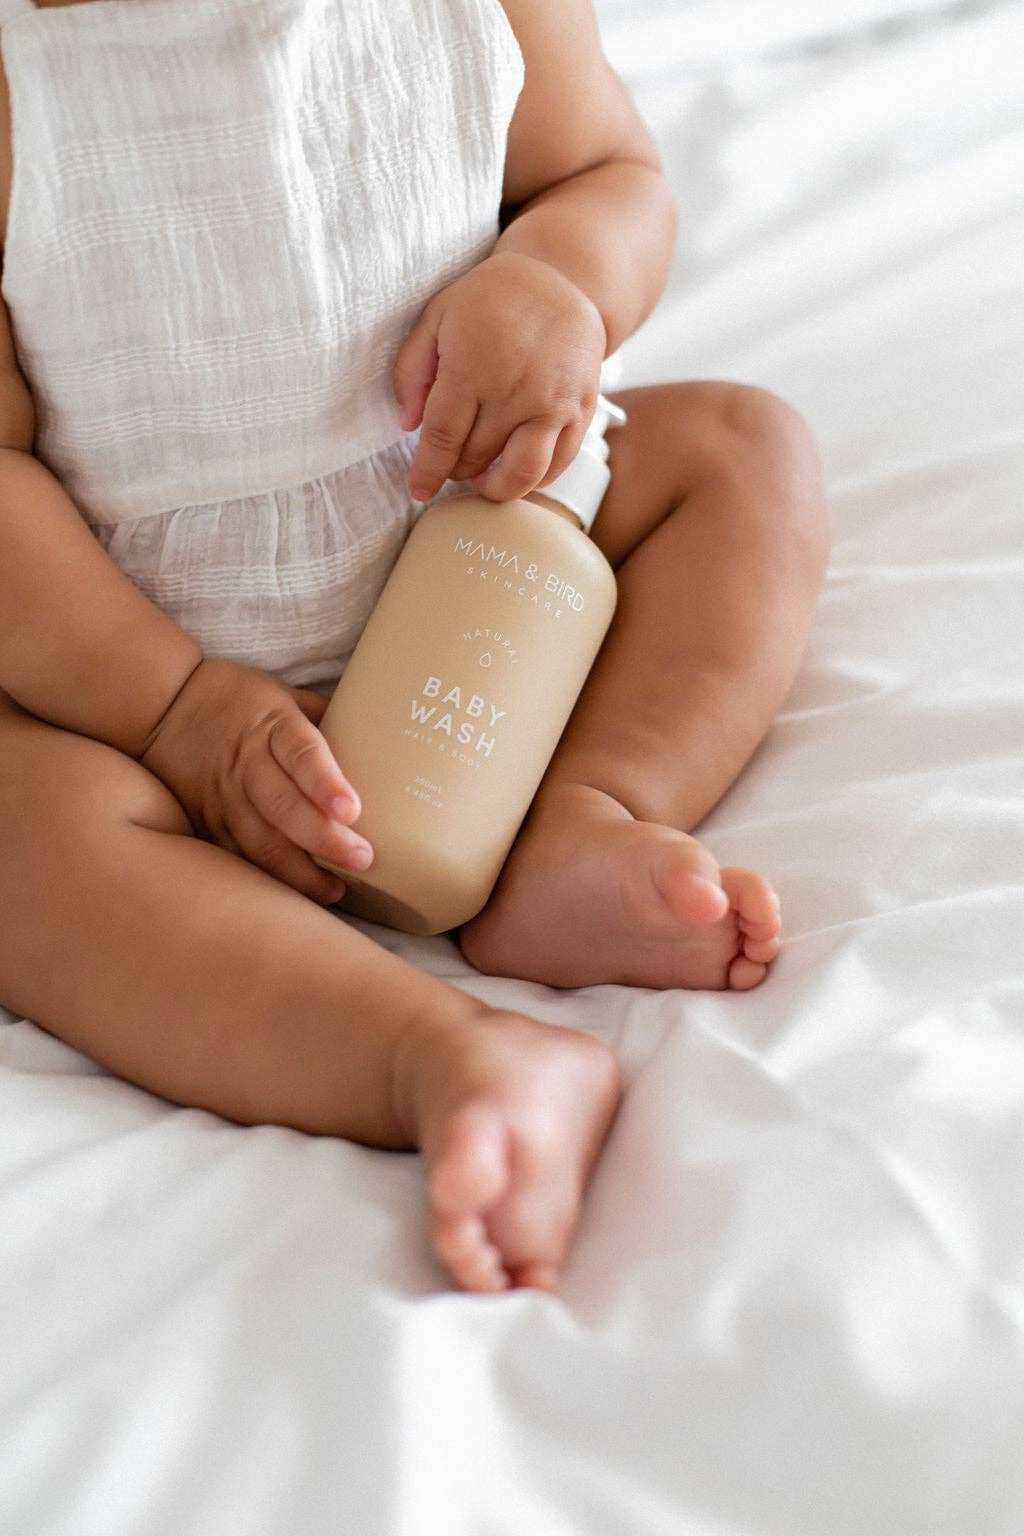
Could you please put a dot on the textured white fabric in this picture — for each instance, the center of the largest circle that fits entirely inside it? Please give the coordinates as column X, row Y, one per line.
column 224, row 218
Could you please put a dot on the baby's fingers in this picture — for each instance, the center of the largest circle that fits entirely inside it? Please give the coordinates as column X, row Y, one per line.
column 252, row 836
column 276, row 799
column 447, row 422
column 415, row 370
column 304, row 756
column 312, row 704
column 524, row 462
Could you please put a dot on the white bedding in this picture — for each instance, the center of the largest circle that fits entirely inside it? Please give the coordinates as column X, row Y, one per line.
column 796, row 1306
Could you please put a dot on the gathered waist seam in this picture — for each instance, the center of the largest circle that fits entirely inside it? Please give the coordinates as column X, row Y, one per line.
column 406, row 442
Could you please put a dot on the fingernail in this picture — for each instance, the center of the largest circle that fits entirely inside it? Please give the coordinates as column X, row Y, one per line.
column 359, row 856
column 345, row 808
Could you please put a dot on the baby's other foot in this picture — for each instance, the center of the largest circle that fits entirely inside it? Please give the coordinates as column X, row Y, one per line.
column 590, row 895
column 510, row 1115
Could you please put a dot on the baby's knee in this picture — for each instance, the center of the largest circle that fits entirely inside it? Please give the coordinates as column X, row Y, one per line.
column 765, row 425
column 762, row 439
column 60, row 792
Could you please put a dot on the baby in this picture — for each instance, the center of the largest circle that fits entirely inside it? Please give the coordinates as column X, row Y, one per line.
column 275, row 272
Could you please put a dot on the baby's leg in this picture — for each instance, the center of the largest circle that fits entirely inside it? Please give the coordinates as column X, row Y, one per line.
column 717, row 527
column 191, row 972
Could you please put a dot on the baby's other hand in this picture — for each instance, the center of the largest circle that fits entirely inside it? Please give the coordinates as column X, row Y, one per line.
column 504, row 361
column 242, row 754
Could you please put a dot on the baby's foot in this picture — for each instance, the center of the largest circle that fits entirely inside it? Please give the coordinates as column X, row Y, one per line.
column 510, row 1115
column 590, row 895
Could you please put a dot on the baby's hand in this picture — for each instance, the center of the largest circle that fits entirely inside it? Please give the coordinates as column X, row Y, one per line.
column 506, row 360
column 242, row 754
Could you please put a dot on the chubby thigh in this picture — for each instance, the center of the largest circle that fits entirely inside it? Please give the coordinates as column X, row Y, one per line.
column 179, row 965
column 68, row 805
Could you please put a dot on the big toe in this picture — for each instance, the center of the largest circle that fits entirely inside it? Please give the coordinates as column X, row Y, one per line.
column 687, row 879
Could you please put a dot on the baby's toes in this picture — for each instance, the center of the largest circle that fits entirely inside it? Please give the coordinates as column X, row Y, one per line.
column 744, row 974
column 533, row 1226
column 754, row 902
column 762, row 950
column 472, row 1260
column 537, row 1277
column 756, row 908
column 467, row 1171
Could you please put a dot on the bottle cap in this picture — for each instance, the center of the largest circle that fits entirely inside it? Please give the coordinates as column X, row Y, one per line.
column 581, row 486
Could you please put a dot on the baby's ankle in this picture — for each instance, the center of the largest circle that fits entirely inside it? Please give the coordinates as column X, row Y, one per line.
column 567, row 799
column 429, row 1049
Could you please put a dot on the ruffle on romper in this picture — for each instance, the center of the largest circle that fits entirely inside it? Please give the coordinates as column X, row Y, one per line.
column 285, row 580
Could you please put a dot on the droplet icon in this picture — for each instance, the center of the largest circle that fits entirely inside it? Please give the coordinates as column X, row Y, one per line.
column 486, row 659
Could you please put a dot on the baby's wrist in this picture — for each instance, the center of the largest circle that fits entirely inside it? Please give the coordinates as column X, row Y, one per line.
column 589, row 310
column 192, row 663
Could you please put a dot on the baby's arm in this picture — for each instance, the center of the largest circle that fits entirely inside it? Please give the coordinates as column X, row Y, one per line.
column 505, row 360
column 82, row 648
column 583, row 187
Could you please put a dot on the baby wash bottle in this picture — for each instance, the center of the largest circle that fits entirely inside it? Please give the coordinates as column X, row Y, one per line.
column 454, row 699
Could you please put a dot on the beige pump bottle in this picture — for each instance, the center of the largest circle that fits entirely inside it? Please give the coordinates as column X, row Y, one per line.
column 454, row 699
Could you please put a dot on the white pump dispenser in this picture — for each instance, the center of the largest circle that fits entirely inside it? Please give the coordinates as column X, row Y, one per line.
column 581, row 486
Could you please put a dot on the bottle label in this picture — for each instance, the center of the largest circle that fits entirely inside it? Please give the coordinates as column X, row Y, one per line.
column 464, row 707
column 525, row 578
column 456, row 715
column 460, row 701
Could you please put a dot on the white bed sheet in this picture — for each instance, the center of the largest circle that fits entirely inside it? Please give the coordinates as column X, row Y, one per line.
column 796, row 1304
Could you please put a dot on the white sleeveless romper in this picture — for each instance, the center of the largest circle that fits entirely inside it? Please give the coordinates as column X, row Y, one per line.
column 225, row 217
